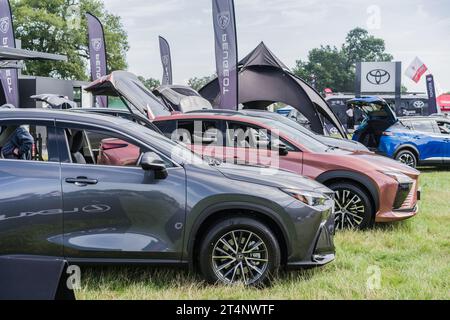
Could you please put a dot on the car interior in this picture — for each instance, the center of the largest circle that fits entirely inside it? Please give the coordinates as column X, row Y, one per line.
column 99, row 149
column 244, row 136
column 372, row 133
column 444, row 127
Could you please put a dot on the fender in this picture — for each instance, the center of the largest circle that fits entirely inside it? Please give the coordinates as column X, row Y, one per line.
column 211, row 210
column 358, row 177
column 405, row 146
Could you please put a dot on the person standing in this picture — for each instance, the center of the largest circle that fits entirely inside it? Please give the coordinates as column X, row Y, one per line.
column 19, row 145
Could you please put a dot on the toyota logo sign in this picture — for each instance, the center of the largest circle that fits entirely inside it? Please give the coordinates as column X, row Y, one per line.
column 378, row 77
column 419, row 104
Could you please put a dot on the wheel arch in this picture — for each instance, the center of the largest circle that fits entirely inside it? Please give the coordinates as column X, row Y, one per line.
column 409, row 147
column 359, row 179
column 220, row 212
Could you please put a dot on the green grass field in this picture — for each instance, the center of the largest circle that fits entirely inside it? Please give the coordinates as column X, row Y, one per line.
column 406, row 260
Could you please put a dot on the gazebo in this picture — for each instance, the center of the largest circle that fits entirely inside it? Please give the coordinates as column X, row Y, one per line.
column 264, row 79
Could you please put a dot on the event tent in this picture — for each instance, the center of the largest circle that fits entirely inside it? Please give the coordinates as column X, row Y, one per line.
column 264, row 79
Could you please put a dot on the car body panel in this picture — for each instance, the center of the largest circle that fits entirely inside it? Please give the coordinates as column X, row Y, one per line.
column 431, row 147
column 125, row 215
column 314, row 164
column 342, row 143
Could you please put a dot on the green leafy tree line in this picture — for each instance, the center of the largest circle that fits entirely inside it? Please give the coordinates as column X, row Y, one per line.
column 59, row 26
column 333, row 67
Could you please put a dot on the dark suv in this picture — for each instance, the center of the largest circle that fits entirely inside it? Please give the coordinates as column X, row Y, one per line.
column 160, row 205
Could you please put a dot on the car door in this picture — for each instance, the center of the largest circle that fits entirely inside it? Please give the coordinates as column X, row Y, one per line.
column 255, row 145
column 430, row 142
column 31, row 213
column 444, row 128
column 113, row 209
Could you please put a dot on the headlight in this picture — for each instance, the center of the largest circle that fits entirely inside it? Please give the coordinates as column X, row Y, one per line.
column 310, row 198
column 398, row 176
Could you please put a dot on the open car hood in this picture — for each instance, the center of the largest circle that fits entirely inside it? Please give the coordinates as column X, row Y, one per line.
column 374, row 108
column 127, row 86
column 55, row 101
column 182, row 98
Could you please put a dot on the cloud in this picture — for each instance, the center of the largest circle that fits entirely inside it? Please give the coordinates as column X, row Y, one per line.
column 290, row 27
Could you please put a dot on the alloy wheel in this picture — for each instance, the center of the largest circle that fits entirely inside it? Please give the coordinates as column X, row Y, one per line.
column 407, row 159
column 240, row 256
column 350, row 210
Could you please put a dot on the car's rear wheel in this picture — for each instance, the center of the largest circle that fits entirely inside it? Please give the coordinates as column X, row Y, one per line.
column 239, row 250
column 353, row 208
column 407, row 157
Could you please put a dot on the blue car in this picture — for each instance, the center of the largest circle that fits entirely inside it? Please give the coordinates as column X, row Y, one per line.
column 412, row 140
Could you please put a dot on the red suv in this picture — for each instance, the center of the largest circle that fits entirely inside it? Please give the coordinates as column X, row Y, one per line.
column 369, row 188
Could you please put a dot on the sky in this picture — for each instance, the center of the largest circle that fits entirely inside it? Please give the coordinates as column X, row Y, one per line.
column 290, row 28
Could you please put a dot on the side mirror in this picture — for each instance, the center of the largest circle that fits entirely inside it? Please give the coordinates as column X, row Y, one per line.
column 282, row 149
column 152, row 162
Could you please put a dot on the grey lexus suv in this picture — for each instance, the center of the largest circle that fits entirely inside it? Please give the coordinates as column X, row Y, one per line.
column 161, row 205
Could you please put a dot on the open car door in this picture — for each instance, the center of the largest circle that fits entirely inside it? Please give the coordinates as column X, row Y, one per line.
column 131, row 91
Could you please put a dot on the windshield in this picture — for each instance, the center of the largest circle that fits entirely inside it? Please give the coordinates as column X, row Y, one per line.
column 296, row 135
column 292, row 123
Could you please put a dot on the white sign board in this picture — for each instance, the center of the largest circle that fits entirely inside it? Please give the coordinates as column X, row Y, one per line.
column 378, row 77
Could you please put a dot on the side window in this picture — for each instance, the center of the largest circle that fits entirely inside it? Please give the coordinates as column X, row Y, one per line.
column 407, row 124
column 242, row 135
column 444, row 127
column 98, row 147
column 424, row 126
column 25, row 141
column 206, row 132
column 166, row 127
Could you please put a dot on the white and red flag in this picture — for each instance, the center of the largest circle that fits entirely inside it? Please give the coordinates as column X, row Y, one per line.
column 416, row 70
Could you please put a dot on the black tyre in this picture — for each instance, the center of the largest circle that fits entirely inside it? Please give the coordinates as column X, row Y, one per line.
column 407, row 157
column 353, row 208
column 239, row 250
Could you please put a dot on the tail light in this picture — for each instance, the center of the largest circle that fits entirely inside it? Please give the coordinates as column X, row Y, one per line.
column 387, row 133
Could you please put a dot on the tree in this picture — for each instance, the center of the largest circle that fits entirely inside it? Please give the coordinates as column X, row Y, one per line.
column 198, row 83
column 150, row 83
column 327, row 66
column 334, row 68
column 360, row 46
column 59, row 26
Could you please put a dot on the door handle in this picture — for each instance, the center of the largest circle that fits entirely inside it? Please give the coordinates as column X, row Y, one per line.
column 81, row 181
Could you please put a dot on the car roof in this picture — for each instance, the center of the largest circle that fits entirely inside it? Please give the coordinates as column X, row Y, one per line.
column 212, row 114
column 103, row 110
column 48, row 114
column 424, row 118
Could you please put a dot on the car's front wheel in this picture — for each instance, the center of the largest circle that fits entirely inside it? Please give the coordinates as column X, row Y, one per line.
column 407, row 157
column 353, row 208
column 239, row 250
